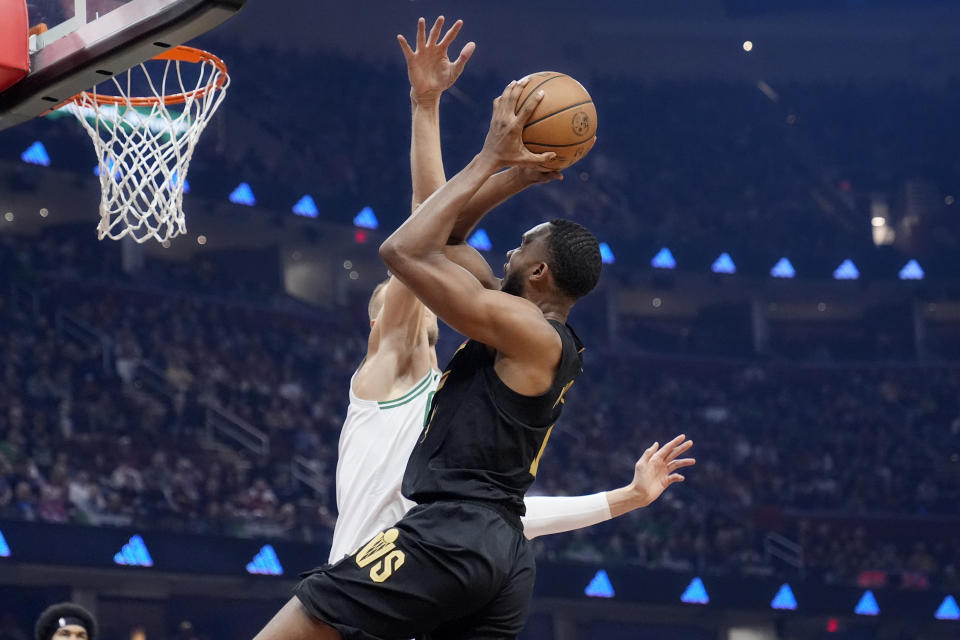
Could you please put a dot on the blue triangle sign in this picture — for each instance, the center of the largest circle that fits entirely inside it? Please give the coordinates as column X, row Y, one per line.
column 664, row 260
column 846, row 271
column 606, row 254
column 306, row 207
column 695, row 593
column 134, row 554
column 784, row 599
column 366, row 219
column 36, row 154
column 175, row 178
column 948, row 609
column 911, row 271
column 4, row 547
column 868, row 605
column 600, row 586
column 480, row 240
column 783, row 269
column 243, row 194
column 265, row 563
column 723, row 264
column 116, row 174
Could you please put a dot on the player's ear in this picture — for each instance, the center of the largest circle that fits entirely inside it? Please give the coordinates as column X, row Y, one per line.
column 540, row 271
column 372, row 322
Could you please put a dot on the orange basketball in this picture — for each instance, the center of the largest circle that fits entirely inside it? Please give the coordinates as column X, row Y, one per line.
column 564, row 122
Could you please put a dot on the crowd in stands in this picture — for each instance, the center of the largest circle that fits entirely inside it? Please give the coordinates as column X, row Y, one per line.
column 702, row 167
column 117, row 435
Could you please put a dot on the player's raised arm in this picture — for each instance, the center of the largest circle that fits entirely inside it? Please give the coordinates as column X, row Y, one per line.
column 400, row 323
column 431, row 72
column 415, row 252
column 655, row 471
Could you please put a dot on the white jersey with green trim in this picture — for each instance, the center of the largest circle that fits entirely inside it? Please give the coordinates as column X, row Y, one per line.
column 375, row 443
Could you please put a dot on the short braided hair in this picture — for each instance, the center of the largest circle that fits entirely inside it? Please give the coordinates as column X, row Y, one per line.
column 573, row 255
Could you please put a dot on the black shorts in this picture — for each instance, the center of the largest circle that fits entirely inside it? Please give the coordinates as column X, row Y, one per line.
column 446, row 570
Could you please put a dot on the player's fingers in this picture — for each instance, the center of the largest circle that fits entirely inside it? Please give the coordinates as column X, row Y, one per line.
column 591, row 145
column 451, row 34
column 649, row 452
column 465, row 54
column 421, row 33
column 531, row 103
column 674, row 477
column 681, row 463
column 507, row 92
column 404, row 46
column 668, row 448
column 677, row 451
column 435, row 31
column 536, row 159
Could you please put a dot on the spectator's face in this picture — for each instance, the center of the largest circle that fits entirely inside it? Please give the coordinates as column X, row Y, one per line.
column 70, row 632
column 23, row 492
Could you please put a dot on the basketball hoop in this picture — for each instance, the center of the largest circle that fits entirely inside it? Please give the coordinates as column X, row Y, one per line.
column 143, row 147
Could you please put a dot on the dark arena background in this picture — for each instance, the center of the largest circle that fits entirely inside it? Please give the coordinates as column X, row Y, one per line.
column 776, row 185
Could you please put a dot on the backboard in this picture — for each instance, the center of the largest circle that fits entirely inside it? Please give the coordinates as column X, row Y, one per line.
column 79, row 43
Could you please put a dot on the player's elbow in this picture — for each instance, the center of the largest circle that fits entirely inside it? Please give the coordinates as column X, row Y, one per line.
column 394, row 254
column 390, row 252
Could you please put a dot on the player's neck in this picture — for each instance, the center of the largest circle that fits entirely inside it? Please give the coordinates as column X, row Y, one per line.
column 554, row 311
column 552, row 307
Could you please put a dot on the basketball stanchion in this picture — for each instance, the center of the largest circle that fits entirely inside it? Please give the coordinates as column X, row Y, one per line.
column 144, row 144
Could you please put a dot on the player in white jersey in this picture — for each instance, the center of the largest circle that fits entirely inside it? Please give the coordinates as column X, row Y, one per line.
column 391, row 391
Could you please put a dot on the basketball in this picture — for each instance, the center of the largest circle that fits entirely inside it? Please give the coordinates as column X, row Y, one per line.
column 564, row 122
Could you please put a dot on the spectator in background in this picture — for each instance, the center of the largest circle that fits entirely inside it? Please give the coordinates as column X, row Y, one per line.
column 65, row 621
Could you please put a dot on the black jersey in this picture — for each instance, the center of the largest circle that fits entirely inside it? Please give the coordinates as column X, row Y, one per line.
column 482, row 440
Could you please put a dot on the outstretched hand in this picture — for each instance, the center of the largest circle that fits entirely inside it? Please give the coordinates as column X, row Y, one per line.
column 429, row 68
column 504, row 145
column 656, row 469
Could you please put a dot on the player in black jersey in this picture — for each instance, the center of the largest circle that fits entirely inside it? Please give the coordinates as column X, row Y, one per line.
column 457, row 565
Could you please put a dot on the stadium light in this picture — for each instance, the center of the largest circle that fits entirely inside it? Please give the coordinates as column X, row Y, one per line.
column 664, row 260
column 4, row 547
column 116, row 174
column 868, row 605
column 306, row 207
column 175, row 178
column 606, row 254
column 695, row 593
column 784, row 600
column 911, row 271
column 134, row 554
column 600, row 586
column 36, row 154
column 846, row 271
column 265, row 563
column 783, row 269
column 243, row 194
column 366, row 219
column 948, row 610
column 480, row 240
column 723, row 264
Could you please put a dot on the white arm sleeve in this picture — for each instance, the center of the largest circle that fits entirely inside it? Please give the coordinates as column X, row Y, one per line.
column 546, row 515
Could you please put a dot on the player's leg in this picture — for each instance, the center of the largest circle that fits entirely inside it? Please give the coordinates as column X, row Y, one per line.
column 293, row 623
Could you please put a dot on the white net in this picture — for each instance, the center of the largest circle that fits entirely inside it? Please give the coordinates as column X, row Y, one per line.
column 144, row 146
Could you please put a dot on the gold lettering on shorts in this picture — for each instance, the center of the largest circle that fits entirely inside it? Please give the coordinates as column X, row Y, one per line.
column 382, row 544
column 385, row 568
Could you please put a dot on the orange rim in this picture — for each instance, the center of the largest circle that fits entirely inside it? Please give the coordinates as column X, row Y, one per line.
column 181, row 54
